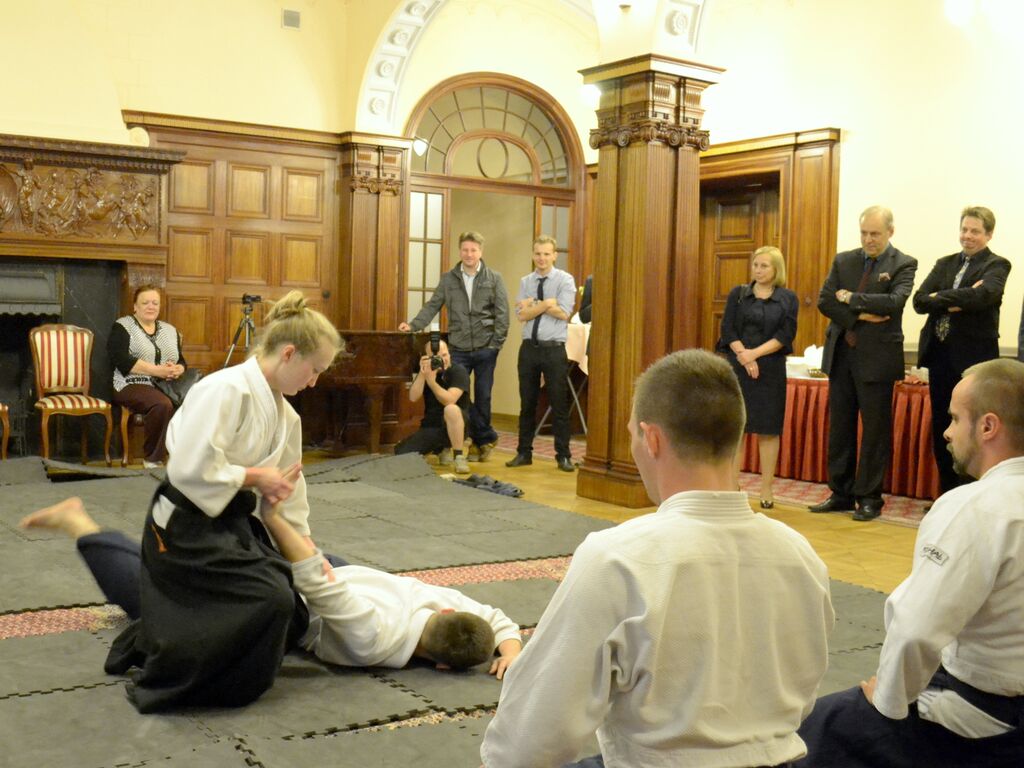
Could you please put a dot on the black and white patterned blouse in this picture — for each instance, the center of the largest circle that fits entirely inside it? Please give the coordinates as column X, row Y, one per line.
column 129, row 343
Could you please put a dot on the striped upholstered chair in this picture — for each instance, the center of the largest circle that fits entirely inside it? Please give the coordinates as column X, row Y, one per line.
column 6, row 423
column 61, row 354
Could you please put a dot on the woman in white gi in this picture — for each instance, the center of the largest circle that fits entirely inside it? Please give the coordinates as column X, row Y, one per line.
column 217, row 606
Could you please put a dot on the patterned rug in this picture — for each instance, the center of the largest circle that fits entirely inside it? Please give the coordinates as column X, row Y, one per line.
column 897, row 509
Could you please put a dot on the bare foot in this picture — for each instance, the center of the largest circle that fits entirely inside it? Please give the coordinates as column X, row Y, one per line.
column 68, row 516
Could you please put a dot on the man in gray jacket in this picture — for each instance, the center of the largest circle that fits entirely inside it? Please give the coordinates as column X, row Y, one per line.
column 477, row 305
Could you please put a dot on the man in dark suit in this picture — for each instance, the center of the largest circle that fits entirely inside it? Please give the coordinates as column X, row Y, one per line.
column 863, row 296
column 961, row 297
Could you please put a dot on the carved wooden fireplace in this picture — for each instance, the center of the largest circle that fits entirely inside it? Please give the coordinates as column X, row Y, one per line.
column 81, row 224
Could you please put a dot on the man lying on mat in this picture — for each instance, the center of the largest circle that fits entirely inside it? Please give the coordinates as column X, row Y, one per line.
column 360, row 617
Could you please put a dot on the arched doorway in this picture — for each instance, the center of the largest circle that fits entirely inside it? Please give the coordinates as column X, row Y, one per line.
column 494, row 154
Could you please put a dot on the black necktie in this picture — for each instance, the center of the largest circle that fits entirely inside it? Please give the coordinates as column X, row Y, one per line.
column 942, row 326
column 536, row 320
column 869, row 265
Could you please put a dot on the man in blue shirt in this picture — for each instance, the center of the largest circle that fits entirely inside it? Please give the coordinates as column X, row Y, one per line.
column 544, row 305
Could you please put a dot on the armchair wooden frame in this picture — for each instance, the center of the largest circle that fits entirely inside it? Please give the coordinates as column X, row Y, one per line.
column 61, row 355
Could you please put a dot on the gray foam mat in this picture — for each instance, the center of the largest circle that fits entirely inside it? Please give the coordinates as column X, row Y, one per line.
column 44, row 574
column 845, row 670
column 413, row 552
column 849, row 636
column 310, row 698
column 51, row 662
column 465, row 690
column 449, row 744
column 27, row 469
column 388, row 512
column 95, row 470
column 523, row 600
column 89, row 728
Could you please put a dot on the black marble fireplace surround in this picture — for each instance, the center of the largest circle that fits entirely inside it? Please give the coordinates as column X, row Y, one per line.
column 82, row 292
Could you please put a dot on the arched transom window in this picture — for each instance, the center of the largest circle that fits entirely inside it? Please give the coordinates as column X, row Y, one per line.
column 492, row 133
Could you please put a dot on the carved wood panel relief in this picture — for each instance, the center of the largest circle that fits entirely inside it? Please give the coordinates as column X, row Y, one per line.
column 61, row 202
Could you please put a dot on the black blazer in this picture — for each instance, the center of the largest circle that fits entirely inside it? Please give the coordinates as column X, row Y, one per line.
column 973, row 331
column 742, row 318
column 587, row 300
column 879, row 345
column 1020, row 335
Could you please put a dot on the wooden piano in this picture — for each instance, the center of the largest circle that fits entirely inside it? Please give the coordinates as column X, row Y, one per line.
column 375, row 362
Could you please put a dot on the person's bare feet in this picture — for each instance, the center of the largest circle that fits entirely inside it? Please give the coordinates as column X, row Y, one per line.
column 69, row 516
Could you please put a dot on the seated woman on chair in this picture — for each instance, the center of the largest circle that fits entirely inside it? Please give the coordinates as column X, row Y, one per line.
column 142, row 349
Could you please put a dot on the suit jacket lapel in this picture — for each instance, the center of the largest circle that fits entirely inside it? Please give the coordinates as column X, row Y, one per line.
column 976, row 265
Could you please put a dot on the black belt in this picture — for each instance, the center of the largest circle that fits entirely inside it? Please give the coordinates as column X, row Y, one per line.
column 532, row 343
column 243, row 502
column 1006, row 709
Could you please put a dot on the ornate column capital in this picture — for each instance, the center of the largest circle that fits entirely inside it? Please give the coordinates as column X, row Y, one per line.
column 374, row 164
column 650, row 99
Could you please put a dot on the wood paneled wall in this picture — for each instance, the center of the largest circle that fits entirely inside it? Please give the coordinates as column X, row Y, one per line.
column 261, row 210
column 245, row 215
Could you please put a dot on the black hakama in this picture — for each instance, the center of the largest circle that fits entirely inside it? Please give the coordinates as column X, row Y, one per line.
column 218, row 610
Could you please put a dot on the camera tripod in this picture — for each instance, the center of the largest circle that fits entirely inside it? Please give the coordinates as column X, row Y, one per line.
column 245, row 325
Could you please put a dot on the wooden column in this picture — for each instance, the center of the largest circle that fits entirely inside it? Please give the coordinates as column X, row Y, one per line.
column 646, row 260
column 373, row 190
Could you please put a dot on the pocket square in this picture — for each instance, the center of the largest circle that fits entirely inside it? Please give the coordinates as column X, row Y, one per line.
column 884, row 277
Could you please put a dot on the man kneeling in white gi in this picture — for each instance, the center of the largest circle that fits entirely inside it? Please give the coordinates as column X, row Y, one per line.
column 695, row 635
column 949, row 690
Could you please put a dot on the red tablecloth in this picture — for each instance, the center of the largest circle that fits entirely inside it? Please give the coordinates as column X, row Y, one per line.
column 804, row 451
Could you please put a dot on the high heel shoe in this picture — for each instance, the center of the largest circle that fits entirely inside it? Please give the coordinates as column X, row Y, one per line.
column 766, row 504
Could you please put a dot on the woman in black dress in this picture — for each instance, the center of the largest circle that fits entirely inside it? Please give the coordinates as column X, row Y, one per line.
column 758, row 329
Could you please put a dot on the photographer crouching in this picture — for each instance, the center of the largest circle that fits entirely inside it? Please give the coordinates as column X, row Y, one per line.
column 444, row 387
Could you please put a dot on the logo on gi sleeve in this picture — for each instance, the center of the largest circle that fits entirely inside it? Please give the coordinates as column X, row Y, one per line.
column 933, row 553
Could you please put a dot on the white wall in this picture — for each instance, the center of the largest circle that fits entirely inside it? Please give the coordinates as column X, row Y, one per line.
column 73, row 65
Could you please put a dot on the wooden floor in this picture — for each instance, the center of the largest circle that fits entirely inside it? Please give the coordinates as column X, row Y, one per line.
column 876, row 555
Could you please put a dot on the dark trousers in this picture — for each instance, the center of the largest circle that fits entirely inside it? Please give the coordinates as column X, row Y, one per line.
column 549, row 360
column 848, row 396
column 846, row 731
column 481, row 364
column 425, row 440
column 942, row 377
column 115, row 561
column 156, row 409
